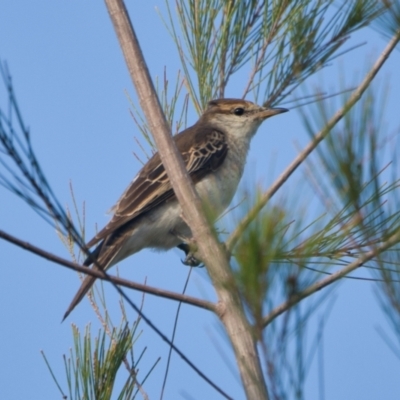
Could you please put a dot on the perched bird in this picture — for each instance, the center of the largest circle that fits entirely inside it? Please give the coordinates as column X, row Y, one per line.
column 148, row 214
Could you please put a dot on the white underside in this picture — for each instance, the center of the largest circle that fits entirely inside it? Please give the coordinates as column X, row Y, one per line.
column 163, row 228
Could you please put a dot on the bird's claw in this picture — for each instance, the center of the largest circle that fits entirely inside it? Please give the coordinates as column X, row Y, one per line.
column 190, row 260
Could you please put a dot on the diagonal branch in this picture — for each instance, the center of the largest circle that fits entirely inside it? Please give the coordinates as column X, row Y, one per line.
column 98, row 273
column 314, row 143
column 214, row 256
column 296, row 298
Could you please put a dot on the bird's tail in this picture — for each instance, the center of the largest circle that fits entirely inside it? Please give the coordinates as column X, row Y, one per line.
column 102, row 257
column 85, row 287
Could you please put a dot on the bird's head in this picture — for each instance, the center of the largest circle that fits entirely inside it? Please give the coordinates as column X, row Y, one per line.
column 237, row 117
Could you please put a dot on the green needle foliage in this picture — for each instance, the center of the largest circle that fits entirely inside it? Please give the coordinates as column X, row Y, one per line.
column 93, row 368
column 389, row 21
column 257, row 252
column 278, row 43
column 92, row 372
column 356, row 173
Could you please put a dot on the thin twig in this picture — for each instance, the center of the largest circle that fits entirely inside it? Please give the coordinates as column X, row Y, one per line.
column 173, row 336
column 110, row 278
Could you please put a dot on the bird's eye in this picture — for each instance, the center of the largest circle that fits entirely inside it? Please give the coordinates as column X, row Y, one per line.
column 238, row 111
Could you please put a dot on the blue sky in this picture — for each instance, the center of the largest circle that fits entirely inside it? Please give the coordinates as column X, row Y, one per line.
column 70, row 80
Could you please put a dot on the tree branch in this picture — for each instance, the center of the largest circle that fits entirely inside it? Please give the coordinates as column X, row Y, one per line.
column 231, row 311
column 231, row 242
column 98, row 273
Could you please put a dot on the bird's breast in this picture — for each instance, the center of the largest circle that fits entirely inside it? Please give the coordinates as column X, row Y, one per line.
column 218, row 188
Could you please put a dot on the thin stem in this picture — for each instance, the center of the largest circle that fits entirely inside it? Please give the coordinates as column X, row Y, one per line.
column 206, row 305
column 173, row 337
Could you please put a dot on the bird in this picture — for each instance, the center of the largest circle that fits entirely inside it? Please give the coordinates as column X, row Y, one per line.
column 148, row 214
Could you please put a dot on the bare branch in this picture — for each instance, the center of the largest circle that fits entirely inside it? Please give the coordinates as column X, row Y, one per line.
column 106, row 277
column 211, row 252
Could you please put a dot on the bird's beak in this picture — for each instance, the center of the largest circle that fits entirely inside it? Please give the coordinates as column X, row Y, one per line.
column 270, row 112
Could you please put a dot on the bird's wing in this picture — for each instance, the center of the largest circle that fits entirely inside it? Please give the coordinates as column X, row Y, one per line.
column 203, row 150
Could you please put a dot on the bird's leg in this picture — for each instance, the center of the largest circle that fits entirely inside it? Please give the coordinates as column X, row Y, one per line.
column 190, row 260
column 189, row 247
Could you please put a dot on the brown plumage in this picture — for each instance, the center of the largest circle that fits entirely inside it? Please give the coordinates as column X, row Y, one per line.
column 150, row 188
column 214, row 151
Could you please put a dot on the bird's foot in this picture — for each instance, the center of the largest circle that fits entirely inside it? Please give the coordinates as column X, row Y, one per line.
column 190, row 260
